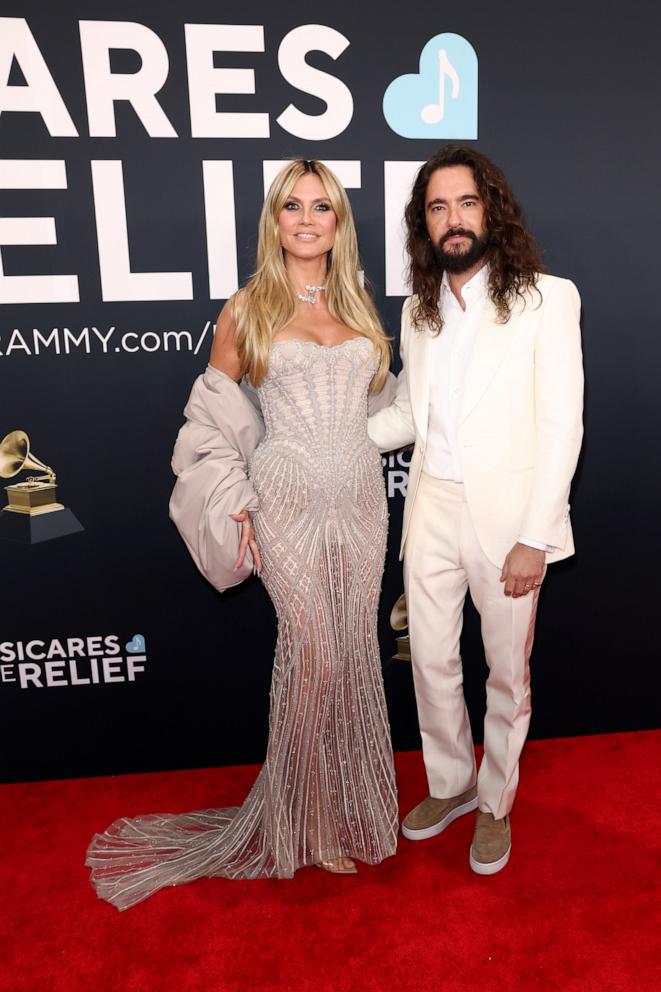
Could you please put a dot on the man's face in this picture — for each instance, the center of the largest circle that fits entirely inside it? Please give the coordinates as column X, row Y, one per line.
column 455, row 218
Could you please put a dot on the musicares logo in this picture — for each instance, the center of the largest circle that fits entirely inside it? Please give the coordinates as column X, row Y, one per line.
column 440, row 101
column 397, row 472
column 71, row 661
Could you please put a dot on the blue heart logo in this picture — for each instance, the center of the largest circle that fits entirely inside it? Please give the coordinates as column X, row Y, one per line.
column 136, row 645
column 441, row 100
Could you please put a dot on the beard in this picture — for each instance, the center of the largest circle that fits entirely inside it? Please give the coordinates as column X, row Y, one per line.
column 457, row 262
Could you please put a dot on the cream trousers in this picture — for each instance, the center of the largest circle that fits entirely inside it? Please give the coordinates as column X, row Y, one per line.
column 443, row 560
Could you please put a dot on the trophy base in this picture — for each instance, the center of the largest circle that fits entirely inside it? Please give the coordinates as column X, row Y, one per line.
column 403, row 649
column 33, row 528
column 33, row 511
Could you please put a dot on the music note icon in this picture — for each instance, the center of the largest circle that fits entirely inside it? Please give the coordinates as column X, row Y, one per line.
column 433, row 113
column 440, row 100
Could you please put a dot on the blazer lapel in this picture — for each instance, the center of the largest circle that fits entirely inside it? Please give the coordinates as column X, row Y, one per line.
column 492, row 344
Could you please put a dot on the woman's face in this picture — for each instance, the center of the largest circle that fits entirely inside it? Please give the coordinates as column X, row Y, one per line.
column 307, row 221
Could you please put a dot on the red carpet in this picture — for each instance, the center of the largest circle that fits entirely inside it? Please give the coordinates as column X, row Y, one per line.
column 576, row 910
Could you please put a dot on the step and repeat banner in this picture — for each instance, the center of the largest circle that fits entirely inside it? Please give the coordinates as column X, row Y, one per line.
column 136, row 143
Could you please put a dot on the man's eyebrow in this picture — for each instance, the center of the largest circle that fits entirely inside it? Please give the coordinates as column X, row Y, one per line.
column 463, row 196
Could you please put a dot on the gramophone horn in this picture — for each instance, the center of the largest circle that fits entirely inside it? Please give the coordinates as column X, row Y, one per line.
column 15, row 456
column 399, row 617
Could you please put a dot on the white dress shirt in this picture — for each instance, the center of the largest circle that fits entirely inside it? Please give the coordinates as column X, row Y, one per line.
column 450, row 357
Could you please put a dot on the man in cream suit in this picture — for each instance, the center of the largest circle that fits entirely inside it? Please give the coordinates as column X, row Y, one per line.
column 491, row 394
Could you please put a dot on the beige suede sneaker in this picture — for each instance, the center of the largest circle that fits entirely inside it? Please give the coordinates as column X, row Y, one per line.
column 492, row 843
column 432, row 816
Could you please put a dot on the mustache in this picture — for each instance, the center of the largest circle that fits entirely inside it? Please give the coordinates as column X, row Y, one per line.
column 457, row 232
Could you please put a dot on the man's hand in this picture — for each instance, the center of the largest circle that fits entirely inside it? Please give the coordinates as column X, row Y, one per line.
column 523, row 570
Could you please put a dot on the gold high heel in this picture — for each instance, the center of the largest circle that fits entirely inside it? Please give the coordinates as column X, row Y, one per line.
column 337, row 869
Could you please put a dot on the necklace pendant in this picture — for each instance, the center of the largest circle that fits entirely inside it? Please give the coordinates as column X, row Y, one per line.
column 311, row 295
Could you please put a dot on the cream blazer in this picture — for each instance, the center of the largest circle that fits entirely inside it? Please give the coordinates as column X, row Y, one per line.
column 520, row 424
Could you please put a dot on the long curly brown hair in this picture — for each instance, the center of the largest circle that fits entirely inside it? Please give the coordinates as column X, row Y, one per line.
column 512, row 253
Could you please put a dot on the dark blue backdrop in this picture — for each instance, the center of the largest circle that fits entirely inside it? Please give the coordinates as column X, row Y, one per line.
column 567, row 105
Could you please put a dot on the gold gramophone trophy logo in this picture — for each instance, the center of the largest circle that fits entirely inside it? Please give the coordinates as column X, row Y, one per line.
column 32, row 513
column 399, row 621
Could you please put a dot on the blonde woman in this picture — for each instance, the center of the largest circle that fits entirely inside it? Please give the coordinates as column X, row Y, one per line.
column 312, row 522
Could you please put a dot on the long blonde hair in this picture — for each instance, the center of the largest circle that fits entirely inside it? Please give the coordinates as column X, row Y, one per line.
column 268, row 303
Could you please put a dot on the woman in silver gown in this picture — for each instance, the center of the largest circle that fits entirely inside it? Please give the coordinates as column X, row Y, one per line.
column 304, row 331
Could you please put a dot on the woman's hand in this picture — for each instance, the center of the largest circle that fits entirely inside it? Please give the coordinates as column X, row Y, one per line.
column 247, row 541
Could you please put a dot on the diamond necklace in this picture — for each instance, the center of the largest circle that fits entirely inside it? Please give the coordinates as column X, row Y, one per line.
column 311, row 295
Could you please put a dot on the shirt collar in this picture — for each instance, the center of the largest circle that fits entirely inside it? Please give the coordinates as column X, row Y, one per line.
column 477, row 287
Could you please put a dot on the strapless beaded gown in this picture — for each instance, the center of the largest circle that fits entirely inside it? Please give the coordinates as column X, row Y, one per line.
column 327, row 787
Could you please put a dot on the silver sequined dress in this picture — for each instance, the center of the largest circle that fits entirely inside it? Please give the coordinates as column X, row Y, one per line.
column 327, row 787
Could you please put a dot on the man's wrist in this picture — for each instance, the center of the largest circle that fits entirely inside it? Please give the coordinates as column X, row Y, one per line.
column 537, row 545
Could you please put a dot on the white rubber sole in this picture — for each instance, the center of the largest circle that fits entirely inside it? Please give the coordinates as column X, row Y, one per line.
column 492, row 867
column 439, row 827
